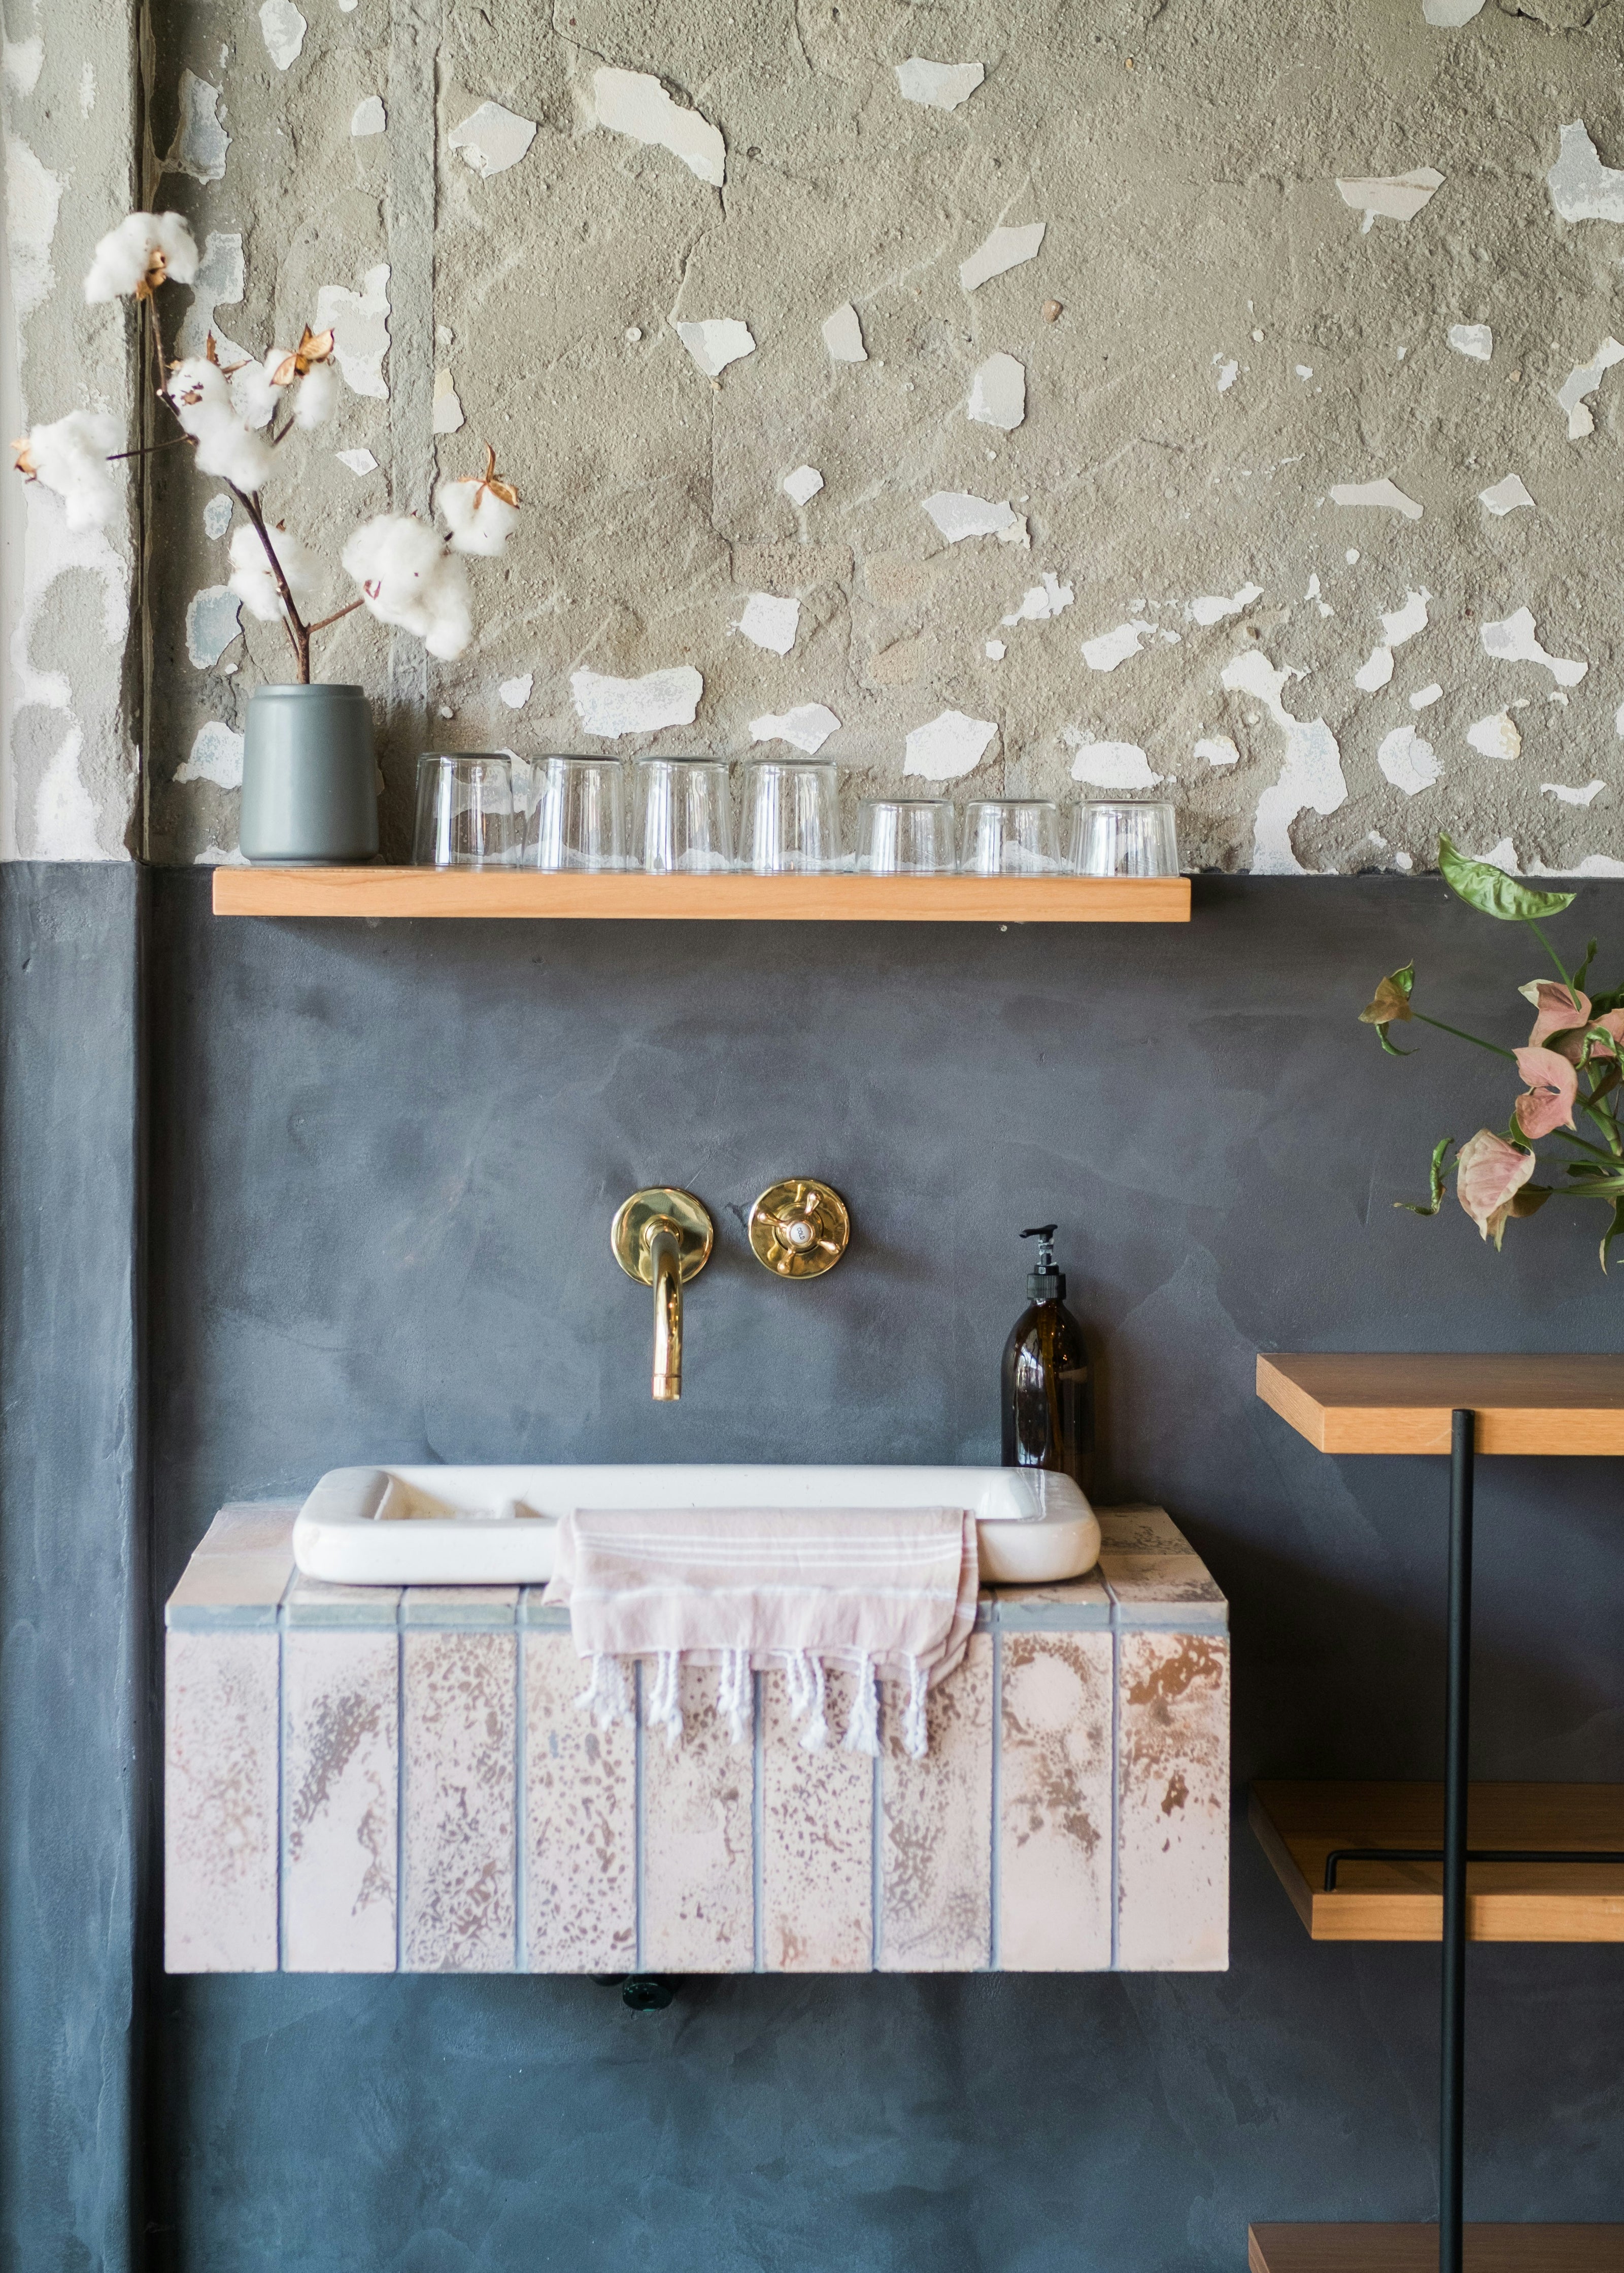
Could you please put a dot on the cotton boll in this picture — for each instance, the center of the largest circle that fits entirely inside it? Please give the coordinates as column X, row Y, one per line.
column 251, row 578
column 71, row 458
column 202, row 399
column 124, row 259
column 451, row 612
column 318, row 396
column 194, row 384
column 253, row 396
column 407, row 578
column 479, row 520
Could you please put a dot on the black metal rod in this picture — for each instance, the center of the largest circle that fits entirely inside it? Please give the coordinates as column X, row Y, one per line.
column 1340, row 1855
column 1457, row 1739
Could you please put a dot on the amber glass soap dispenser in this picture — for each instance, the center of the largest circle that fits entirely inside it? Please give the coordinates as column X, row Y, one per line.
column 1048, row 1394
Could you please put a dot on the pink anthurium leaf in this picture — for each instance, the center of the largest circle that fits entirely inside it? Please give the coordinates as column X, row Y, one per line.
column 1558, row 1010
column 1488, row 1176
column 1548, row 1101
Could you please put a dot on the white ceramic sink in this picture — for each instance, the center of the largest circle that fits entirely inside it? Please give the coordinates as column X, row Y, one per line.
column 495, row 1527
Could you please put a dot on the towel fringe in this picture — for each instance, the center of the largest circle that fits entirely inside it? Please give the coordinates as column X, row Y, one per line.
column 862, row 1732
column 607, row 1695
column 735, row 1697
column 915, row 1741
column 663, row 1709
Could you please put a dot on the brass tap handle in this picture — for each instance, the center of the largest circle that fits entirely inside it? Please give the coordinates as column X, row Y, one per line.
column 662, row 1236
column 799, row 1228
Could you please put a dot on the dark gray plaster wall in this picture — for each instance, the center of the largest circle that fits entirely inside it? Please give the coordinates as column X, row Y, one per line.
column 384, row 1162
column 69, row 1623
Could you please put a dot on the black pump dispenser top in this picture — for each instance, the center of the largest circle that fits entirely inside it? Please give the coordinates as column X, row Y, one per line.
column 1045, row 1284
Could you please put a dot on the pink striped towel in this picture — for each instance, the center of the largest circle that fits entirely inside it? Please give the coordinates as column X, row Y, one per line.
column 747, row 1589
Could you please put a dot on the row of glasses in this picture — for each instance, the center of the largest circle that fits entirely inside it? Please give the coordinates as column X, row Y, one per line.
column 471, row 815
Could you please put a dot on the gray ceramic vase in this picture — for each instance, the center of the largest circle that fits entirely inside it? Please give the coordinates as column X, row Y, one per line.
column 310, row 781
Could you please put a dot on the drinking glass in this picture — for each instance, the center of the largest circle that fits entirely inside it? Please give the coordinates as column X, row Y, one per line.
column 1132, row 837
column 1010, row 836
column 905, row 836
column 792, row 817
column 466, row 814
column 682, row 821
column 578, row 815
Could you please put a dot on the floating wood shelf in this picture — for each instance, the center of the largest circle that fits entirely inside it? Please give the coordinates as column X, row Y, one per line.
column 1403, row 1404
column 1414, row 2248
column 514, row 892
column 1298, row 1825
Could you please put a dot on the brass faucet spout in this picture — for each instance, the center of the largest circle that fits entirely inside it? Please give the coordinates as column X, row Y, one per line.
column 663, row 1242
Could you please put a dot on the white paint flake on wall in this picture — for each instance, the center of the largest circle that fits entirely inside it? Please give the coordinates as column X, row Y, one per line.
column 216, row 756
column 770, row 621
column 368, row 117
column 957, row 515
column 1108, row 648
column 359, row 461
column 635, row 103
column 200, row 141
column 843, row 335
column 515, row 693
column 1391, row 197
column 998, row 393
column 802, row 485
column 1384, row 496
column 1474, row 340
column 1496, row 736
column 1041, row 603
column 1505, row 497
column 1311, row 776
column 1582, row 188
column 219, row 283
column 1375, row 672
column 1229, row 372
column 217, row 516
column 1004, row 248
column 807, row 727
column 1218, row 750
column 284, row 29
column 1409, row 762
column 1214, row 608
column 361, row 321
column 1424, row 697
column 492, row 139
column 614, row 707
column 1107, row 765
column 949, row 747
column 1583, row 379
column 943, row 85
column 448, row 410
column 1450, row 15
column 1514, row 641
column 1585, row 796
column 22, row 62
column 1403, row 623
column 716, row 343
column 32, row 194
column 214, row 619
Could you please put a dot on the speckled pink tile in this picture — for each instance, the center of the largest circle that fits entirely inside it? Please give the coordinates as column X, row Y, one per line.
column 1055, row 1803
column 936, row 1865
column 580, row 1822
column 220, row 1804
column 459, row 1802
column 817, row 1841
column 340, row 1785
column 698, row 1893
column 1173, row 1871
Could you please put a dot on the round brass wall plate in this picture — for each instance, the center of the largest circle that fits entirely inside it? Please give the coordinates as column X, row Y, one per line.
column 799, row 1228
column 627, row 1234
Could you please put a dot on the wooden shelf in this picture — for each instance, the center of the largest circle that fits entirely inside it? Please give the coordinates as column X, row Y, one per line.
column 1403, row 1404
column 1414, row 2248
column 1299, row 1824
column 515, row 892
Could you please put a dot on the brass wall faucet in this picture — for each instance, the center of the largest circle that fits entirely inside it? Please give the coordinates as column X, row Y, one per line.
column 662, row 1236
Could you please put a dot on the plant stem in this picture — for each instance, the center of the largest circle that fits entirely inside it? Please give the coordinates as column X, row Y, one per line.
column 337, row 616
column 294, row 624
column 1422, row 1017
column 145, row 449
column 1572, row 1137
column 1550, row 951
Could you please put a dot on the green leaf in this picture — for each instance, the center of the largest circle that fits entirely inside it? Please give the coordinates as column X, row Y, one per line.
column 1614, row 1231
column 1441, row 1152
column 1494, row 893
column 1390, row 1001
column 1582, row 972
column 1600, row 1003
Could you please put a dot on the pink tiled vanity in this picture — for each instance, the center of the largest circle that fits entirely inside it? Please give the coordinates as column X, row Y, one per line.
column 373, row 1779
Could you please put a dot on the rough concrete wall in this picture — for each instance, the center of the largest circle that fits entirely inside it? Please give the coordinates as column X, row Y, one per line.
column 1213, row 346
column 68, row 662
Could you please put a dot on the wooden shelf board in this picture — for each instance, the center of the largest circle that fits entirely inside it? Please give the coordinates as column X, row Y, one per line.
column 515, row 892
column 1402, row 1403
column 1299, row 1824
column 1414, row 2248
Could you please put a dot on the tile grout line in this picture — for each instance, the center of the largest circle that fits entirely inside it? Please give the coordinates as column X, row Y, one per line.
column 995, row 1888
column 877, row 1801
column 758, row 1761
column 520, row 1811
column 282, row 1785
column 637, row 1838
column 399, row 1782
column 1116, row 1776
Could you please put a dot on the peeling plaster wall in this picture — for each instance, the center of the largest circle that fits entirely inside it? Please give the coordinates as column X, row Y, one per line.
column 68, row 655
column 1239, row 343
